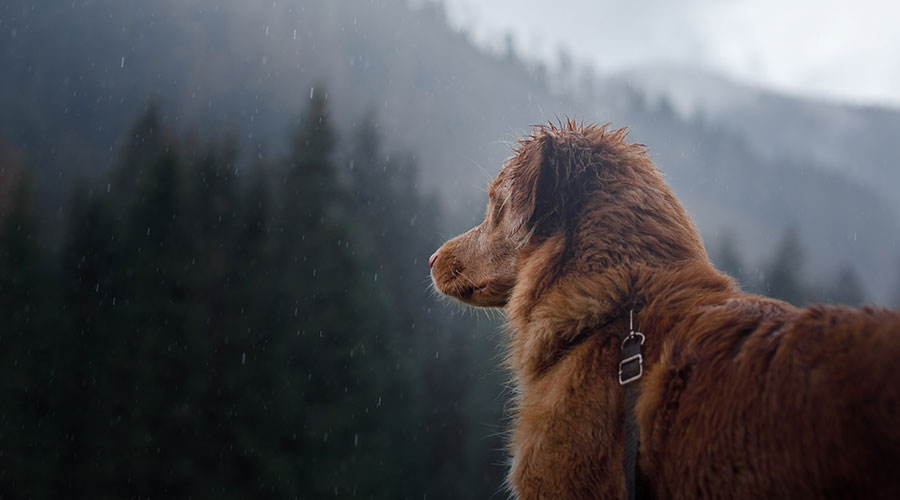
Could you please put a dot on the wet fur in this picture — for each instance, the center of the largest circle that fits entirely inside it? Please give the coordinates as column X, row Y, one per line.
column 743, row 396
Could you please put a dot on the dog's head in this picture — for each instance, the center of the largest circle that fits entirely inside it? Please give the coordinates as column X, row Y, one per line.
column 583, row 188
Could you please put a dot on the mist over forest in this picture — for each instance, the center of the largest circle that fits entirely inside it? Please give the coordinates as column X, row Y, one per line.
column 215, row 220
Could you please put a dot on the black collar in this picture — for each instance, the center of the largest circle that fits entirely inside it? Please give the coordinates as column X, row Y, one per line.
column 631, row 370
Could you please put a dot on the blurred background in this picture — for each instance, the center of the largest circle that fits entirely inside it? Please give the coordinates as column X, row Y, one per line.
column 216, row 216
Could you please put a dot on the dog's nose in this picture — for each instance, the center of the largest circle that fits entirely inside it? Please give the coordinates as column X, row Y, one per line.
column 432, row 259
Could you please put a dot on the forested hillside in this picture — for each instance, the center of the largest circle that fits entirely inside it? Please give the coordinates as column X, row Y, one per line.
column 208, row 330
column 78, row 71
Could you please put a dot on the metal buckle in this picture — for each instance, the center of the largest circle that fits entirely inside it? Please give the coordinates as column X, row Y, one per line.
column 631, row 336
column 640, row 373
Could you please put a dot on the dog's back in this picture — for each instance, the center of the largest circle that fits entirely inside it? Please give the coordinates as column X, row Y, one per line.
column 756, row 399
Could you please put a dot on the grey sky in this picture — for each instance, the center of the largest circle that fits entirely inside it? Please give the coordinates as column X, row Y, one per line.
column 844, row 50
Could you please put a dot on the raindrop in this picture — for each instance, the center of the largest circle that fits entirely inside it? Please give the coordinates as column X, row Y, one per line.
column 122, row 62
column 311, row 91
column 243, row 358
column 295, row 34
column 355, row 440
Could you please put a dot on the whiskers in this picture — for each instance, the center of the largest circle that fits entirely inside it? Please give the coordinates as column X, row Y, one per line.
column 491, row 314
column 433, row 293
column 457, row 272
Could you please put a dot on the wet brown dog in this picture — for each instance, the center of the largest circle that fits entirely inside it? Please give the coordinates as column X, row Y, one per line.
column 742, row 396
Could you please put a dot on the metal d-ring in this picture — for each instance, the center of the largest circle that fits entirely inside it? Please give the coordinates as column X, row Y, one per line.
column 631, row 336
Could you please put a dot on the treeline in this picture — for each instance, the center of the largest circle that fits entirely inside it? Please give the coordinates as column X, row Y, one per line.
column 785, row 277
column 206, row 329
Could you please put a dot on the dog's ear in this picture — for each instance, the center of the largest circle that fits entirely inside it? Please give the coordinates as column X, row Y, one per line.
column 524, row 177
column 538, row 185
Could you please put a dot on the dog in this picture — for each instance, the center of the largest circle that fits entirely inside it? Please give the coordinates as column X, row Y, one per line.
column 740, row 396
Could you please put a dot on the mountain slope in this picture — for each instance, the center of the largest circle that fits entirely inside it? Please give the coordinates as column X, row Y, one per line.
column 852, row 140
column 79, row 72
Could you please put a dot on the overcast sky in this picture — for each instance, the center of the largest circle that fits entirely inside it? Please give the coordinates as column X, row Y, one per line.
column 843, row 50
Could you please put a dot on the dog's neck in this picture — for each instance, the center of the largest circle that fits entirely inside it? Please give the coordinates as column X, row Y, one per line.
column 549, row 316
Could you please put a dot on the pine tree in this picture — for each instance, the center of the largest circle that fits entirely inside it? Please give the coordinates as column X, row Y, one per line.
column 145, row 142
column 144, row 363
column 396, row 229
column 336, row 330
column 310, row 178
column 89, row 344
column 29, row 437
column 19, row 261
column 783, row 276
column 385, row 239
column 728, row 259
column 847, row 289
column 895, row 295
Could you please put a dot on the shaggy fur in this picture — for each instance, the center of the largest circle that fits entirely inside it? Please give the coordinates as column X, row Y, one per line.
column 742, row 396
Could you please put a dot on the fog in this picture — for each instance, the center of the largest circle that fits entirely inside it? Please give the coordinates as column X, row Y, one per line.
column 215, row 220
column 842, row 50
